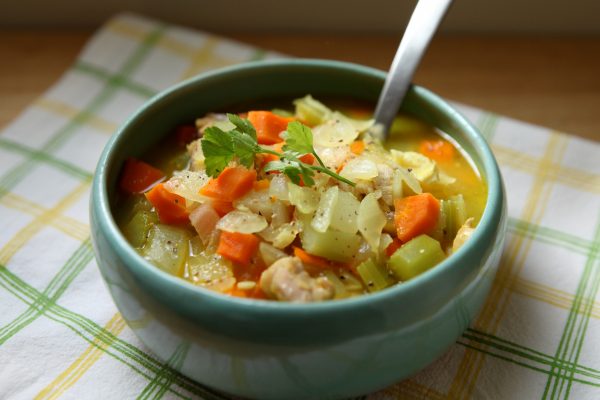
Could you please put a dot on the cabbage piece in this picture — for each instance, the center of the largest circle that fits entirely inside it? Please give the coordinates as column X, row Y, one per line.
column 305, row 199
column 324, row 213
column 371, row 221
column 312, row 111
column 338, row 210
column 187, row 184
column 360, row 168
column 242, row 222
column 345, row 213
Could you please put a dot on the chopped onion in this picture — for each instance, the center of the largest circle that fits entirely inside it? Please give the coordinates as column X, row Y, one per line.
column 242, row 222
column 360, row 168
column 187, row 184
column 270, row 254
column 259, row 202
column 281, row 213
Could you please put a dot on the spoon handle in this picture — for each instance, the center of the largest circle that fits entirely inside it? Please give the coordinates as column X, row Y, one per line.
column 420, row 29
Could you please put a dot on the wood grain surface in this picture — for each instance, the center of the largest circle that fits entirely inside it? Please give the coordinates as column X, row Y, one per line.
column 553, row 82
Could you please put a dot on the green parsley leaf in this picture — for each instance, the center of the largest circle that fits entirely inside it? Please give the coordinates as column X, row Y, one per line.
column 217, row 147
column 298, row 138
column 243, row 125
column 245, row 147
column 220, row 148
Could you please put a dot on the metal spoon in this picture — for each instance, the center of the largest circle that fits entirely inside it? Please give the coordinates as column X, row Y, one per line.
column 420, row 29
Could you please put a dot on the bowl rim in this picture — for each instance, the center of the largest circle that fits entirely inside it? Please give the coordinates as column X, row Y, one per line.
column 100, row 204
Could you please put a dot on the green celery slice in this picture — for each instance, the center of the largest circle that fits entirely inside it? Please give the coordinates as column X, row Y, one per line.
column 167, row 247
column 415, row 257
column 137, row 229
column 374, row 276
column 333, row 245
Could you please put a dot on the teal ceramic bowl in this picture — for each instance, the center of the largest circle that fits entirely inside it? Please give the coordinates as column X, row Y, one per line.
column 271, row 350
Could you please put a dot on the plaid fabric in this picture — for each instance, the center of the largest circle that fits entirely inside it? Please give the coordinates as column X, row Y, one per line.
column 538, row 335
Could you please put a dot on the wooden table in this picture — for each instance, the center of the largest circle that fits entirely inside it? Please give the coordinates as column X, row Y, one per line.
column 553, row 82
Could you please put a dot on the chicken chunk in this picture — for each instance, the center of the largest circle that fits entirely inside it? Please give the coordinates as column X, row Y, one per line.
column 463, row 234
column 287, row 280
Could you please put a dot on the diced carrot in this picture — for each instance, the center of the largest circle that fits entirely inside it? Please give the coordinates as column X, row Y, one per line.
column 268, row 126
column 238, row 247
column 357, row 147
column 392, row 247
column 415, row 215
column 311, row 259
column 170, row 207
column 438, row 150
column 263, row 184
column 231, row 184
column 221, row 207
column 308, row 158
column 340, row 167
column 137, row 176
column 185, row 134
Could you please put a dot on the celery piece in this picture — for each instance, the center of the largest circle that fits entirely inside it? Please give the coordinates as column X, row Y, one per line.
column 455, row 213
column 137, row 229
column 333, row 245
column 167, row 247
column 375, row 277
column 415, row 257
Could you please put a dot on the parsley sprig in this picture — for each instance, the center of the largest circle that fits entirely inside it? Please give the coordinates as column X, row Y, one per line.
column 221, row 147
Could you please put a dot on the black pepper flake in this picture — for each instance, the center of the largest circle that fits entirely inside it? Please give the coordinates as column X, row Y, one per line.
column 370, row 284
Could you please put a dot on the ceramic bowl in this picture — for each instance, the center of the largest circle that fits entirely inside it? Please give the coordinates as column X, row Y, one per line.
column 275, row 350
